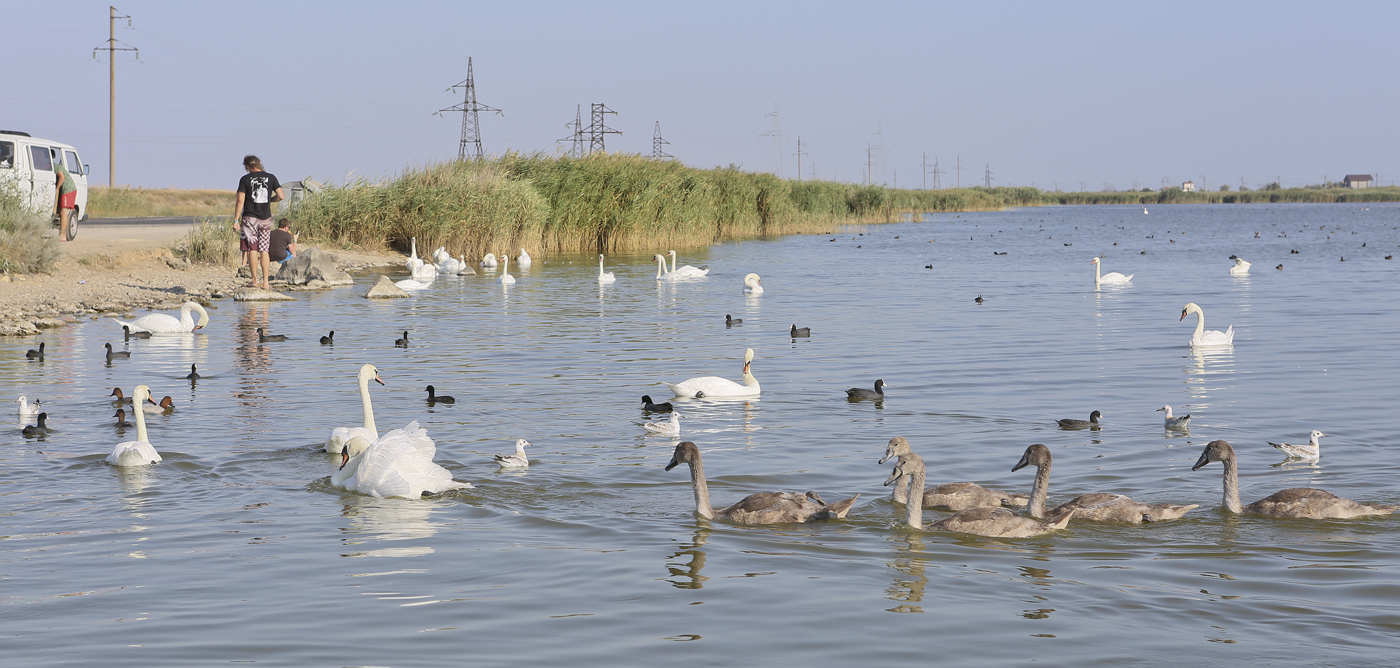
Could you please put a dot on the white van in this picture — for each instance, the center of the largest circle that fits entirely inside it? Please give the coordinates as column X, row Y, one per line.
column 27, row 164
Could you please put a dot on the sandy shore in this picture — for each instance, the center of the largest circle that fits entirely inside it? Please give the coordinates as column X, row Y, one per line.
column 118, row 266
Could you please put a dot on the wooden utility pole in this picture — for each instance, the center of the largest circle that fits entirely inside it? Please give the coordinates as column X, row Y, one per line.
column 112, row 50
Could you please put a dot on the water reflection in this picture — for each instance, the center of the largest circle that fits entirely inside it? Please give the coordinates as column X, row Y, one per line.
column 374, row 519
column 686, row 575
column 909, row 580
column 1207, row 361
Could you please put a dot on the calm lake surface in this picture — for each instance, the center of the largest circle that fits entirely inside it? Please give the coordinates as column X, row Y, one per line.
column 234, row 549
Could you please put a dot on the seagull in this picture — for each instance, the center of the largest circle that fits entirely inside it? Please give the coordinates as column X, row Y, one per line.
column 1312, row 450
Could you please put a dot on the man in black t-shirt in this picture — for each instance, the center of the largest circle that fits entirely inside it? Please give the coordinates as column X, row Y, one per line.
column 252, row 215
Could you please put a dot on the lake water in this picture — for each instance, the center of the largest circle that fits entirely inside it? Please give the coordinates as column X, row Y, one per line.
column 234, row 549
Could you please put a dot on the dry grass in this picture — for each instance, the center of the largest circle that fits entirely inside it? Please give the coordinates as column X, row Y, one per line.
column 144, row 202
column 27, row 242
column 210, row 242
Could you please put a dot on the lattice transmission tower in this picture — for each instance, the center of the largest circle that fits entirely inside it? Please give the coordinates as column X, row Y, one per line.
column 987, row 177
column 576, row 138
column 657, row 153
column 471, row 127
column 777, row 135
column 598, row 130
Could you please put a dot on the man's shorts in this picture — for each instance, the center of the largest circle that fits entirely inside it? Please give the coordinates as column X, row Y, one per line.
column 68, row 200
column 256, row 233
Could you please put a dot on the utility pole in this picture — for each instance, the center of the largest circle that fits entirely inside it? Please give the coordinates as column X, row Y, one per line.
column 879, row 135
column 959, row 171
column 112, row 50
column 777, row 134
column 471, row 129
column 987, row 178
column 799, row 155
column 923, row 166
column 598, row 130
column 576, row 138
column 869, row 175
column 657, row 142
column 937, row 183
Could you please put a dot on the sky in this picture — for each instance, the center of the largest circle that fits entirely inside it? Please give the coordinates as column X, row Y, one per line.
column 1064, row 95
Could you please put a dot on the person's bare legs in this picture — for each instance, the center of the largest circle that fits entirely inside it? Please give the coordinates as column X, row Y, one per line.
column 63, row 215
column 252, row 268
column 263, row 255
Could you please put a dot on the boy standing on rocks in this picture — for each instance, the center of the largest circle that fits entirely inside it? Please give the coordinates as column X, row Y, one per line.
column 252, row 215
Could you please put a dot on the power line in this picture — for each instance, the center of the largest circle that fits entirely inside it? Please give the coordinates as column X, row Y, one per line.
column 777, row 135
column 471, row 127
column 112, row 50
column 799, row 155
column 598, row 130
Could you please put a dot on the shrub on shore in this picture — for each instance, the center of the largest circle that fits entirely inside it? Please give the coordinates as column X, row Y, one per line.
column 27, row 242
column 210, row 241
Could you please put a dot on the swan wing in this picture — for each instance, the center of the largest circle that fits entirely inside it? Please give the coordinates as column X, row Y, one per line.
column 712, row 386
column 134, row 327
column 335, row 443
column 160, row 323
column 133, row 453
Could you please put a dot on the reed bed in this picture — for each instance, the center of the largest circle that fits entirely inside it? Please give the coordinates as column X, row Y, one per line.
column 139, row 202
column 210, row 242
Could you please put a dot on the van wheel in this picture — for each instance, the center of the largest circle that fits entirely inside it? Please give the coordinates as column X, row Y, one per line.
column 73, row 224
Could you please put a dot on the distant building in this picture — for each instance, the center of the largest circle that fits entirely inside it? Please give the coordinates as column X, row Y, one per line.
column 1188, row 187
column 1358, row 181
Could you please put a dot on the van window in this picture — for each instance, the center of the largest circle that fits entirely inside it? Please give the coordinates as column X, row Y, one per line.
column 74, row 167
column 39, row 159
column 7, row 155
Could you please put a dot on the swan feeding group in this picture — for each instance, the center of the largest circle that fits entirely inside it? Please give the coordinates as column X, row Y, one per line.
column 400, row 462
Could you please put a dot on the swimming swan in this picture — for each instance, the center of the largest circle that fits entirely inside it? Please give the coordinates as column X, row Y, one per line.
column 672, row 428
column 489, row 260
column 523, row 260
column 1111, row 277
column 517, row 460
column 953, row 496
column 140, row 451
column 751, row 286
column 1203, row 338
column 1296, row 502
column 166, row 324
column 506, row 278
column 760, row 508
column 980, row 521
column 413, row 284
column 604, row 277
column 464, row 269
column 397, row 464
column 714, row 386
column 1175, row 421
column 420, row 270
column 687, row 270
column 1241, row 267
column 1092, row 422
column 1098, row 507
column 1313, row 450
column 662, row 274
column 335, row 443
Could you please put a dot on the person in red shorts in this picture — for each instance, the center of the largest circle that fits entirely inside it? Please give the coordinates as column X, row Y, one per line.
column 67, row 199
column 252, row 215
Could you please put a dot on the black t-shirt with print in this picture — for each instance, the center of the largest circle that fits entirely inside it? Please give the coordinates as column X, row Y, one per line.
column 257, row 189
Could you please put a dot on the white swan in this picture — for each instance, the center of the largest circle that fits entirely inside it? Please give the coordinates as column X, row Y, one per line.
column 413, row 284
column 662, row 272
column 517, row 460
column 1313, row 450
column 1111, row 277
column 751, row 286
column 397, row 464
column 523, row 260
column 506, row 278
column 464, row 268
column 607, row 277
column 1203, row 338
column 335, row 443
column 449, row 265
column 489, row 260
column 417, row 268
column 1175, row 421
column 714, row 386
column 441, row 255
column 140, row 451
column 672, row 428
column 166, row 324
column 687, row 270
column 1241, row 267
column 27, row 409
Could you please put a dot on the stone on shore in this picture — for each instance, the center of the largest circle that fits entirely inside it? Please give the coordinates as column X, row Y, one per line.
column 385, row 289
column 246, row 294
column 312, row 265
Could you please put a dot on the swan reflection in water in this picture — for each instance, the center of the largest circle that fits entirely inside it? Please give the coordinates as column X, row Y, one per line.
column 686, row 575
column 909, row 580
column 1207, row 371
column 373, row 520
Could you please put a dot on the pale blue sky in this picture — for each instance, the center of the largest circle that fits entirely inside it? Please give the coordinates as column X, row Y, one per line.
column 1047, row 93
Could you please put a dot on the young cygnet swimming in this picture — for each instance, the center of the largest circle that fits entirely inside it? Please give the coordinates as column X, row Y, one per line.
column 517, row 460
column 1175, row 421
column 1099, row 507
column 760, row 508
column 1312, row 450
column 1092, row 422
column 953, row 496
column 980, row 521
column 1296, row 502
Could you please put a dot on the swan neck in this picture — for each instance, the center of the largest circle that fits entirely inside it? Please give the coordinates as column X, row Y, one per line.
column 914, row 509
column 1232, row 486
column 900, row 492
column 673, row 263
column 364, row 404
column 749, row 380
column 1096, row 273
column 702, row 490
column 1200, row 326
column 1040, row 491
column 140, row 422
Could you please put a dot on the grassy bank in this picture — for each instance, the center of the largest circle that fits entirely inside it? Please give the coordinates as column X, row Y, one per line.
column 605, row 203
column 139, row 202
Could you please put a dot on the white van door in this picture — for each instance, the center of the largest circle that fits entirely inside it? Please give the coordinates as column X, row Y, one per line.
column 42, row 194
column 14, row 169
